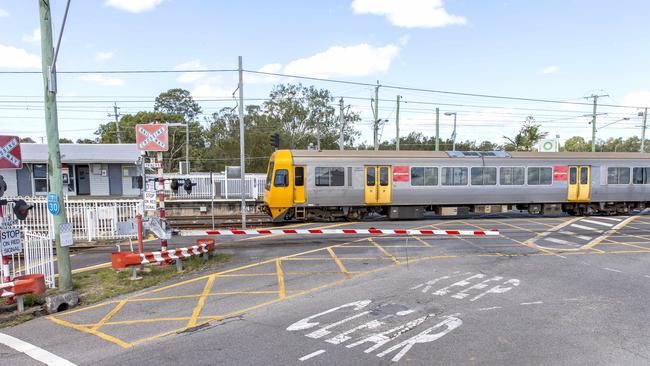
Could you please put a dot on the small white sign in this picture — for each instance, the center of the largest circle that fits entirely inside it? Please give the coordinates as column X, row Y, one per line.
column 65, row 231
column 150, row 201
column 10, row 242
column 155, row 165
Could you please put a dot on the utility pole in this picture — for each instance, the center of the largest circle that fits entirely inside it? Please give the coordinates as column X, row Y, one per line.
column 116, row 114
column 593, row 120
column 643, row 128
column 52, row 132
column 397, row 124
column 242, row 160
column 437, row 129
column 342, row 125
column 375, row 122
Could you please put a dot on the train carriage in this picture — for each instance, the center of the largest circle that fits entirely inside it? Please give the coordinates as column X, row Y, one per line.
column 324, row 185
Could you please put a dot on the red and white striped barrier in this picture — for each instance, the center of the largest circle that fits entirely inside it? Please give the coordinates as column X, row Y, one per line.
column 370, row 231
column 121, row 260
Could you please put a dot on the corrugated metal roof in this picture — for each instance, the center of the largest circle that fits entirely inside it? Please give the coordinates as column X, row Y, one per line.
column 443, row 154
column 83, row 153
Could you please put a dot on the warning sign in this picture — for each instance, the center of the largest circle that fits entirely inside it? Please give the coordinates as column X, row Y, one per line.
column 10, row 156
column 152, row 137
column 10, row 242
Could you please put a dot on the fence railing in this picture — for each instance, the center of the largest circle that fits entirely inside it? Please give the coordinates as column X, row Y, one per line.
column 216, row 186
column 37, row 257
column 90, row 219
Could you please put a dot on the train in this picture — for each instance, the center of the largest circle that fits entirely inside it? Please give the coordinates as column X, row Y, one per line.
column 307, row 185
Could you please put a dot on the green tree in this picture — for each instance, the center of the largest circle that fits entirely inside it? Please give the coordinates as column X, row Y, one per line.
column 65, row 140
column 529, row 135
column 576, row 144
column 86, row 141
column 27, row 140
column 177, row 101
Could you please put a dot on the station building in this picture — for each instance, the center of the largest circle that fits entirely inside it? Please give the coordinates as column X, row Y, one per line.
column 89, row 170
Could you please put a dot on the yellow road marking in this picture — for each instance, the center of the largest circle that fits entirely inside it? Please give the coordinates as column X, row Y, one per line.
column 626, row 244
column 109, row 315
column 381, row 249
column 282, row 293
column 610, row 232
column 199, row 306
column 99, row 334
column 339, row 263
column 90, row 268
column 422, row 241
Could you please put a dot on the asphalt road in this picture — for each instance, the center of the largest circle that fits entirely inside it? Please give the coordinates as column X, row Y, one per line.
column 517, row 299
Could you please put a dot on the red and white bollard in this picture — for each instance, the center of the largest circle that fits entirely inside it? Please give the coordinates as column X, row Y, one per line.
column 161, row 197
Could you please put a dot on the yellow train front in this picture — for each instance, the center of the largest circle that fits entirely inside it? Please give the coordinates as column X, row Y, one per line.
column 327, row 185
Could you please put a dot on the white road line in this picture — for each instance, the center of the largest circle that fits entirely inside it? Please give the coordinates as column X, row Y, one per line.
column 313, row 354
column 583, row 237
column 597, row 223
column 646, row 276
column 491, row 308
column 610, row 218
column 613, row 270
column 33, row 351
column 566, row 232
column 531, row 303
column 585, row 227
column 560, row 241
column 571, row 233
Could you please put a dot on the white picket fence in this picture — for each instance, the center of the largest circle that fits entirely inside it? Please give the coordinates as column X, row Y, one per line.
column 216, row 186
column 90, row 219
column 37, row 257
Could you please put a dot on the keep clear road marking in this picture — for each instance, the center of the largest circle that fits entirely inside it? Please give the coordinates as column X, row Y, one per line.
column 598, row 223
column 585, row 227
column 33, row 351
column 313, row 354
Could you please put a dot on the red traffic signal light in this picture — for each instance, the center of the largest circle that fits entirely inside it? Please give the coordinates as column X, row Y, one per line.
column 21, row 209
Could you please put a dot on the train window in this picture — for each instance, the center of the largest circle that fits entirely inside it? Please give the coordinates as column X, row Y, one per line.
column 484, row 176
column 281, row 178
column 618, row 175
column 322, row 177
column 510, row 176
column 330, row 177
column 641, row 176
column 540, row 176
column 424, row 176
column 454, row 176
column 383, row 176
column 584, row 175
column 337, row 176
column 573, row 175
column 370, row 176
column 349, row 176
column 269, row 175
column 299, row 179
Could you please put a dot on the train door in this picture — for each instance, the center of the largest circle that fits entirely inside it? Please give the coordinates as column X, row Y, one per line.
column 579, row 183
column 378, row 185
column 299, row 184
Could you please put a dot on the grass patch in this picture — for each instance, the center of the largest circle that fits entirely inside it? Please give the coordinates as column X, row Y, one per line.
column 95, row 286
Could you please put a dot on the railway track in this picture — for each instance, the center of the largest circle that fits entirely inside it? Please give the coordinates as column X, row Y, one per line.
column 185, row 222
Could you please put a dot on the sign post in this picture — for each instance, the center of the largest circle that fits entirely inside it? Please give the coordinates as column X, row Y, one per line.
column 154, row 137
column 10, row 158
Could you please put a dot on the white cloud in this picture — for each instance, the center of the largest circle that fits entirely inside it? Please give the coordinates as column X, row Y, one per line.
column 35, row 36
column 134, row 6
column 409, row 13
column 3, row 13
column 101, row 80
column 103, row 56
column 17, row 58
column 260, row 78
column 359, row 60
column 637, row 99
column 212, row 87
column 190, row 77
column 548, row 70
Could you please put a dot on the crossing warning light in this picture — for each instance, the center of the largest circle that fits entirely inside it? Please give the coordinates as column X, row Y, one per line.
column 21, row 209
column 187, row 186
column 175, row 183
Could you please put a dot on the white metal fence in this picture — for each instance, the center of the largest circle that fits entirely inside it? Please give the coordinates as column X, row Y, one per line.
column 90, row 219
column 216, row 186
column 37, row 257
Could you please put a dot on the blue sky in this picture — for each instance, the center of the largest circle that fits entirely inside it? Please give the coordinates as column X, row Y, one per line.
column 561, row 50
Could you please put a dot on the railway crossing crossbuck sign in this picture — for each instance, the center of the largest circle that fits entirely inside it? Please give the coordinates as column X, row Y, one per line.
column 10, row 157
column 152, row 137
